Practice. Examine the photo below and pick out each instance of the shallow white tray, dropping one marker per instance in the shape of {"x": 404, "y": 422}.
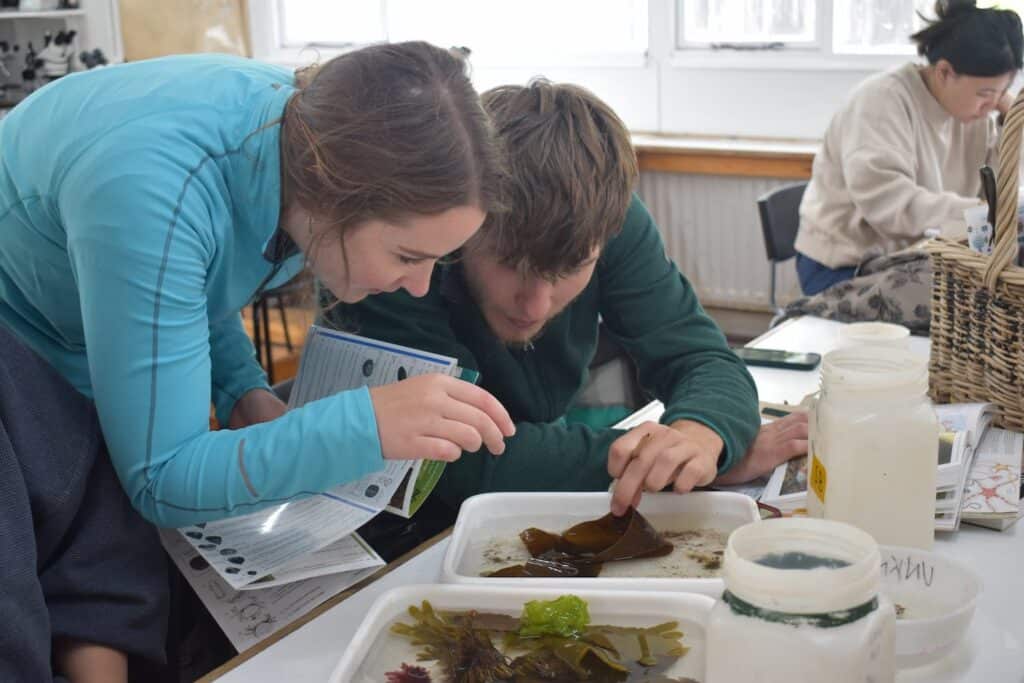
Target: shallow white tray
{"x": 490, "y": 516}
{"x": 375, "y": 651}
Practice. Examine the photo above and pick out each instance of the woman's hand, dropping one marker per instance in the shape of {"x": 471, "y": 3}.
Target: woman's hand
{"x": 436, "y": 417}
{"x": 652, "y": 456}
{"x": 255, "y": 406}
{"x": 1004, "y": 104}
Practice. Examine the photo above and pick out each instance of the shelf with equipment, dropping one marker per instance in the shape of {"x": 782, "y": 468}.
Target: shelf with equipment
{"x": 41, "y": 14}
{"x": 62, "y": 40}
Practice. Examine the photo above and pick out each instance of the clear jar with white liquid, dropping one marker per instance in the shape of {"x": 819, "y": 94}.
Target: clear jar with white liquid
{"x": 801, "y": 605}
{"x": 873, "y": 447}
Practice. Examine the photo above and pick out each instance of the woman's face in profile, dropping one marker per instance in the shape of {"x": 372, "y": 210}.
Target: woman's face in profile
{"x": 969, "y": 98}
{"x": 384, "y": 255}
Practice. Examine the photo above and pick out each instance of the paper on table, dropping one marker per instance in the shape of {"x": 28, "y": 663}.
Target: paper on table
{"x": 247, "y": 548}
{"x": 346, "y": 555}
{"x": 993, "y": 484}
{"x": 250, "y": 616}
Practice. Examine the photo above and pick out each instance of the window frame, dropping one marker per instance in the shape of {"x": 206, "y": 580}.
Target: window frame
{"x": 820, "y": 55}
{"x": 267, "y": 42}
{"x": 681, "y": 43}
{"x": 669, "y": 90}
{"x": 268, "y": 45}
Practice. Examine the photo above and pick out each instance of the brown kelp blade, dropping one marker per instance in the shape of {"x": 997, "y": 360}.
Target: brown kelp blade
{"x": 612, "y": 538}
{"x": 584, "y": 548}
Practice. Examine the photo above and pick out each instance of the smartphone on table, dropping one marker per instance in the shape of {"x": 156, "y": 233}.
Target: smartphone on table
{"x": 777, "y": 358}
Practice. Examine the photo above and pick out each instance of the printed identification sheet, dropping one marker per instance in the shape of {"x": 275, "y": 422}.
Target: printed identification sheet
{"x": 248, "y": 548}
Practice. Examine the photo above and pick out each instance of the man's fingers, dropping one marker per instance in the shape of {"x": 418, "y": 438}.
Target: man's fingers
{"x": 693, "y": 474}
{"x": 622, "y": 497}
{"x": 627, "y": 447}
{"x": 794, "y": 448}
{"x": 665, "y": 469}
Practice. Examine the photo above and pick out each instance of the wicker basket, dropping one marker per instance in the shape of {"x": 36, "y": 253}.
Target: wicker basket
{"x": 977, "y": 327}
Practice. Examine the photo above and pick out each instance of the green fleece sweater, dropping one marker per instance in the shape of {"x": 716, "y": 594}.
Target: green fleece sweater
{"x": 648, "y": 306}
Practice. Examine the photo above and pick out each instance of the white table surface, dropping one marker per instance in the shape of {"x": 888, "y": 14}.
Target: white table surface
{"x": 992, "y": 652}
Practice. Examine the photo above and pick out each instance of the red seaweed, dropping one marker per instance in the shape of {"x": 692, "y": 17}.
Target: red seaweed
{"x": 409, "y": 673}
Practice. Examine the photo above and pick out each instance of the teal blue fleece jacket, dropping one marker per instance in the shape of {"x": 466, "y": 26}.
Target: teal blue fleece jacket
{"x": 139, "y": 207}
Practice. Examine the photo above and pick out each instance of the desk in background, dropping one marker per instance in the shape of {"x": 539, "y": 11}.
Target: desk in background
{"x": 992, "y": 652}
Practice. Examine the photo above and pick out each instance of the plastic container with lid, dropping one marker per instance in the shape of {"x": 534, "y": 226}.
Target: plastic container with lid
{"x": 873, "y": 445}
{"x": 801, "y": 605}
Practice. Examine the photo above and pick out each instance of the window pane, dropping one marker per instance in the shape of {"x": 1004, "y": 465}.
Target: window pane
{"x": 877, "y": 26}
{"x": 330, "y": 22}
{"x": 492, "y": 30}
{"x": 501, "y": 30}
{"x": 747, "y": 21}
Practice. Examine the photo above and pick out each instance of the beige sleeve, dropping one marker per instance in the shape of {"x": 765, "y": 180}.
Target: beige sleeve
{"x": 878, "y": 159}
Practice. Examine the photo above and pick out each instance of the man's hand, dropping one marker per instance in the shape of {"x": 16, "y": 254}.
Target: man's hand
{"x": 652, "y": 456}
{"x": 255, "y": 406}
{"x": 776, "y": 443}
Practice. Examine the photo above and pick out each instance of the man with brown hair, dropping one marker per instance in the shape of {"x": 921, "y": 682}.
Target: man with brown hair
{"x": 522, "y": 300}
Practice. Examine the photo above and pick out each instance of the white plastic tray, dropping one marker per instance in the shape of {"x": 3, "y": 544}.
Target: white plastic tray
{"x": 375, "y": 651}
{"x": 489, "y": 516}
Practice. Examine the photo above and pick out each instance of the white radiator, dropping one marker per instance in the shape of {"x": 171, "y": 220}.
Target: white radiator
{"x": 712, "y": 231}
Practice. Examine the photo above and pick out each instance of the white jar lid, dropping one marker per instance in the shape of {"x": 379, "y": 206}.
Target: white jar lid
{"x": 819, "y": 590}
{"x": 873, "y": 369}
{"x": 874, "y": 333}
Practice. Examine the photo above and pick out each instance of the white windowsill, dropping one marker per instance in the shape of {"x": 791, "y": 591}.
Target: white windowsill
{"x": 654, "y": 142}
{"x": 782, "y": 60}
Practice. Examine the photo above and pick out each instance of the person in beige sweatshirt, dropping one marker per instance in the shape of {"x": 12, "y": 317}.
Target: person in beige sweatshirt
{"x": 902, "y": 155}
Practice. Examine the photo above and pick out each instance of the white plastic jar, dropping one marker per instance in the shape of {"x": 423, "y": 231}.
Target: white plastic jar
{"x": 873, "y": 448}
{"x": 801, "y": 605}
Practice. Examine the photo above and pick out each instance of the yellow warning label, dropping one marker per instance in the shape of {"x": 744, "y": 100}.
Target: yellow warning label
{"x": 818, "y": 478}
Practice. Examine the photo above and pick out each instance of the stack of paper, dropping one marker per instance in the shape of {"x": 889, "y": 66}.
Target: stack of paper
{"x": 992, "y": 494}
{"x": 962, "y": 426}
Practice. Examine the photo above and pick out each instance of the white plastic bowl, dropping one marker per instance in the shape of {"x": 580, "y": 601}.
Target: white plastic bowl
{"x": 491, "y": 515}
{"x": 373, "y": 650}
{"x": 937, "y": 596}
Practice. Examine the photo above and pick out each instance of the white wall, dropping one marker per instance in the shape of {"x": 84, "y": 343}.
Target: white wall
{"x": 752, "y": 102}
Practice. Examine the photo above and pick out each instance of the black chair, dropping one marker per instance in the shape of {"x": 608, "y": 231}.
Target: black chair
{"x": 780, "y": 219}
{"x": 292, "y": 292}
